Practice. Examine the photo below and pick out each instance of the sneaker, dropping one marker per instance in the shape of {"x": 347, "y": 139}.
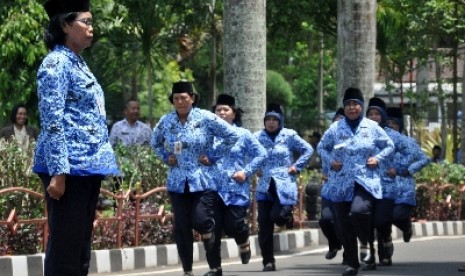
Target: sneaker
{"x": 188, "y": 273}
{"x": 461, "y": 268}
{"x": 269, "y": 267}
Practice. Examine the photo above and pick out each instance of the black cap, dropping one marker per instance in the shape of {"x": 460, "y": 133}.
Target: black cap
{"x": 354, "y": 94}
{"x": 54, "y": 7}
{"x": 224, "y": 99}
{"x": 276, "y": 108}
{"x": 377, "y": 102}
{"x": 182, "y": 87}
{"x": 394, "y": 112}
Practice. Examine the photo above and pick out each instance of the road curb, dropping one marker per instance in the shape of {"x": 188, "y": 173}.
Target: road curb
{"x": 114, "y": 260}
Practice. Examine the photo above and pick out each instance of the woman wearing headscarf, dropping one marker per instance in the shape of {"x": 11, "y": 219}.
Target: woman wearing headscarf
{"x": 383, "y": 208}
{"x": 353, "y": 147}
{"x": 405, "y": 199}
{"x": 72, "y": 154}
{"x": 180, "y": 139}
{"x": 237, "y": 168}
{"x": 277, "y": 187}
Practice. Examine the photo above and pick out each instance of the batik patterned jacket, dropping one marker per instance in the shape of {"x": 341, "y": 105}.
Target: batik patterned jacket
{"x": 389, "y": 184}
{"x": 246, "y": 155}
{"x": 188, "y": 142}
{"x": 280, "y": 159}
{"x": 74, "y": 134}
{"x": 407, "y": 190}
{"x": 339, "y": 143}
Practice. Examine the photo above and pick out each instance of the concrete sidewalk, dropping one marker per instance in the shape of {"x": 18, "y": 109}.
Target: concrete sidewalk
{"x": 152, "y": 256}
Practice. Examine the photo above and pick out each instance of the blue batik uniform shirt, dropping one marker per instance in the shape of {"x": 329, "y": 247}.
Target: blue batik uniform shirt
{"x": 247, "y": 155}
{"x": 280, "y": 158}
{"x": 352, "y": 149}
{"x": 407, "y": 190}
{"x": 74, "y": 135}
{"x": 188, "y": 142}
{"x": 390, "y": 185}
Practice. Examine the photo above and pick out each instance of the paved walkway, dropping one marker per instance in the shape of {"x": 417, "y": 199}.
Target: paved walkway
{"x": 152, "y": 256}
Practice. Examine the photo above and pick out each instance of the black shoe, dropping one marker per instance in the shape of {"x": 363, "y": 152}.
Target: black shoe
{"x": 209, "y": 243}
{"x": 269, "y": 267}
{"x": 218, "y": 272}
{"x": 461, "y": 268}
{"x": 385, "y": 262}
{"x": 245, "y": 256}
{"x": 407, "y": 235}
{"x": 388, "y": 250}
{"x": 369, "y": 266}
{"x": 188, "y": 274}
{"x": 350, "y": 271}
{"x": 331, "y": 254}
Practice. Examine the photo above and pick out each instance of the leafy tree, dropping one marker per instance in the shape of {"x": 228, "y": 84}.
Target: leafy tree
{"x": 21, "y": 51}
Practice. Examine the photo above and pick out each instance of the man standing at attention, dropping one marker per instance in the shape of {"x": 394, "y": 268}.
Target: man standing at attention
{"x": 130, "y": 131}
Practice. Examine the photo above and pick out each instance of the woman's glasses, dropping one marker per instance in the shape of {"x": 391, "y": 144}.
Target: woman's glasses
{"x": 87, "y": 21}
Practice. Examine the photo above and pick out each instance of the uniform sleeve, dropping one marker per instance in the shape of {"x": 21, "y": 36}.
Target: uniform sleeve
{"x": 384, "y": 143}
{"x": 113, "y": 137}
{"x": 52, "y": 84}
{"x": 303, "y": 148}
{"x": 420, "y": 160}
{"x": 220, "y": 128}
{"x": 256, "y": 153}
{"x": 158, "y": 141}
{"x": 325, "y": 147}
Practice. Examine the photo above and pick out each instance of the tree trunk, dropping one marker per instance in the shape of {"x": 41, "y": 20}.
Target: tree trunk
{"x": 356, "y": 46}
{"x": 244, "y": 57}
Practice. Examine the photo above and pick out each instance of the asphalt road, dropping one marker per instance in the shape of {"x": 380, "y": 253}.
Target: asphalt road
{"x": 428, "y": 256}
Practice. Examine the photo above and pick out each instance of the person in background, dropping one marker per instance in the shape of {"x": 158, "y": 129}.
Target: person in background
{"x": 436, "y": 154}
{"x": 130, "y": 131}
{"x": 237, "y": 169}
{"x": 182, "y": 139}
{"x": 315, "y": 160}
{"x": 339, "y": 114}
{"x": 405, "y": 200}
{"x": 353, "y": 148}
{"x": 72, "y": 154}
{"x": 383, "y": 208}
{"x": 277, "y": 188}
{"x": 19, "y": 130}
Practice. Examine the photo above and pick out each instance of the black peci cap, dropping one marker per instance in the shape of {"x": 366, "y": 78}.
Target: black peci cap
{"x": 54, "y": 7}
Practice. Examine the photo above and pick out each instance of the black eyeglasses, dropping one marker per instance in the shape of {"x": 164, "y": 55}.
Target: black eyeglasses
{"x": 87, "y": 21}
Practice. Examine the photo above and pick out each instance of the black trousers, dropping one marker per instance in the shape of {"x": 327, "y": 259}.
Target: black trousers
{"x": 269, "y": 213}
{"x": 355, "y": 220}
{"x": 70, "y": 222}
{"x": 328, "y": 225}
{"x": 401, "y": 216}
{"x": 383, "y": 218}
{"x": 192, "y": 211}
{"x": 232, "y": 220}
